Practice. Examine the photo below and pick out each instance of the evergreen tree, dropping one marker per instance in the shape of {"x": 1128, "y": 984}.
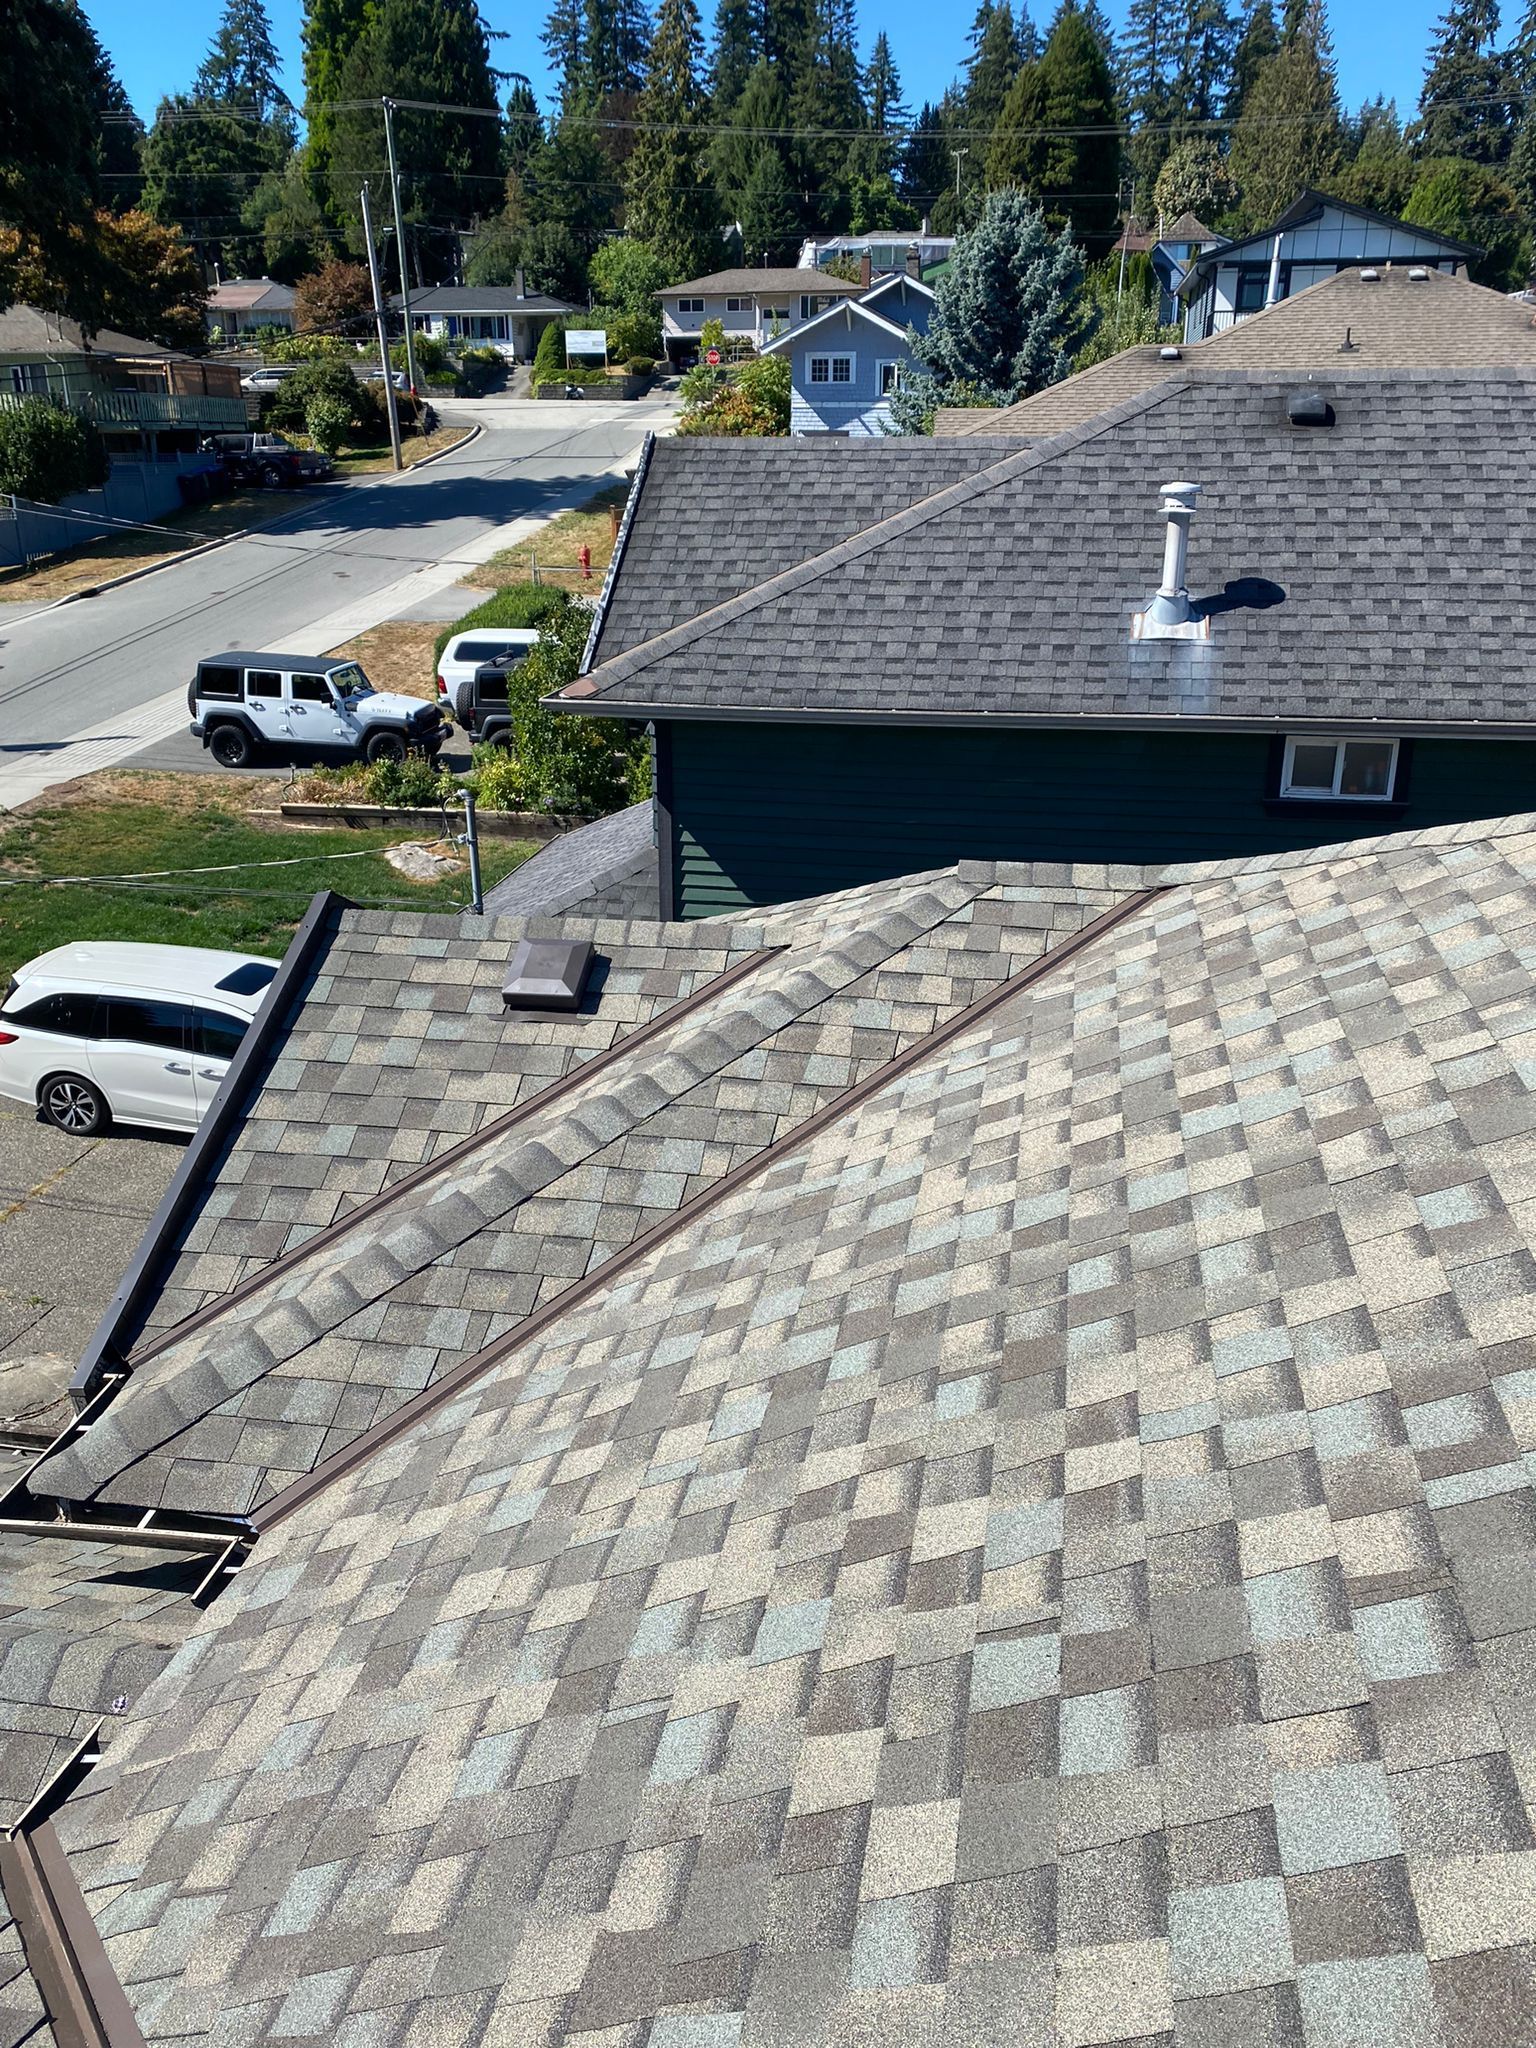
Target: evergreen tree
{"x": 1463, "y": 109}
{"x": 875, "y": 201}
{"x": 1520, "y": 58}
{"x": 760, "y": 114}
{"x": 926, "y": 170}
{"x": 618, "y": 35}
{"x": 331, "y": 27}
{"x": 1381, "y": 170}
{"x": 571, "y": 197}
{"x": 738, "y": 44}
{"x": 990, "y": 74}
{"x": 882, "y": 89}
{"x": 786, "y": 31}
{"x": 1148, "y": 56}
{"x": 1522, "y": 164}
{"x": 435, "y": 51}
{"x": 240, "y": 69}
{"x": 201, "y": 167}
{"x": 1290, "y": 136}
{"x": 825, "y": 106}
{"x": 1258, "y": 42}
{"x": 523, "y": 135}
{"x": 49, "y": 167}
{"x": 1474, "y": 204}
{"x": 1075, "y": 176}
{"x": 121, "y": 136}
{"x": 672, "y": 206}
{"x": 1003, "y": 317}
{"x": 565, "y": 45}
{"x": 1203, "y": 74}
{"x": 769, "y": 211}
{"x": 286, "y": 233}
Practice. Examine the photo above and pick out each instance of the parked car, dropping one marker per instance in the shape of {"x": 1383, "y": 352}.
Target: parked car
{"x": 95, "y": 1034}
{"x": 245, "y": 704}
{"x": 269, "y": 460}
{"x": 482, "y": 708}
{"x": 268, "y": 378}
{"x": 396, "y": 377}
{"x": 467, "y": 652}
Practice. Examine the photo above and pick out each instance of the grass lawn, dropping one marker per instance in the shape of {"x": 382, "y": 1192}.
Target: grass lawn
{"x": 251, "y": 911}
{"x": 554, "y": 548}
{"x": 97, "y": 561}
{"x": 414, "y": 448}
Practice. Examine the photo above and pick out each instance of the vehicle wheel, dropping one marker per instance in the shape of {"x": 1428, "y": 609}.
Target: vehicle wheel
{"x": 231, "y": 746}
{"x": 73, "y": 1105}
{"x": 272, "y": 477}
{"x": 386, "y": 746}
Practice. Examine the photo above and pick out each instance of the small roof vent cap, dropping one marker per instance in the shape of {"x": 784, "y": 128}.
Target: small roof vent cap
{"x": 1370, "y": 277}
{"x": 1418, "y": 274}
{"x": 1308, "y": 408}
{"x": 1170, "y": 355}
{"x": 547, "y": 974}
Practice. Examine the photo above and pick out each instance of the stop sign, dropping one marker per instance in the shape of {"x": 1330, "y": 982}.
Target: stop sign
{"x": 712, "y": 357}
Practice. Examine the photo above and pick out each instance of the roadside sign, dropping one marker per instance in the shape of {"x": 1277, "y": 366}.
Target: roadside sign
{"x": 712, "y": 357}
{"x": 585, "y": 341}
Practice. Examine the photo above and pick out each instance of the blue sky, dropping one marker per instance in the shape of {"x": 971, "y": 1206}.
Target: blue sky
{"x": 157, "y": 48}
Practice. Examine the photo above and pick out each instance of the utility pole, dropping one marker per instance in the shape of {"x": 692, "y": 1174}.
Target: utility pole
{"x": 405, "y": 282}
{"x": 378, "y": 314}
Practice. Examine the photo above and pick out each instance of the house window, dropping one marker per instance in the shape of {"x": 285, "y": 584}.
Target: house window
{"x": 774, "y": 318}
{"x": 736, "y": 306}
{"x": 1252, "y": 288}
{"x": 831, "y": 369}
{"x": 890, "y": 378}
{"x": 1354, "y": 771}
{"x": 812, "y": 303}
{"x": 690, "y": 305}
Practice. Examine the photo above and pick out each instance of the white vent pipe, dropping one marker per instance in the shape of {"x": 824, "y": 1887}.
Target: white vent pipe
{"x": 1170, "y": 607}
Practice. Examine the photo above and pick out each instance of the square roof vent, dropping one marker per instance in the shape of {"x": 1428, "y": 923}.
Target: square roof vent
{"x": 547, "y": 974}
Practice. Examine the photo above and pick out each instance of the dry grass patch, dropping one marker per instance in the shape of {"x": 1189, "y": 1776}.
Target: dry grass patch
{"x": 397, "y": 656}
{"x": 98, "y": 561}
{"x": 414, "y": 448}
{"x": 554, "y": 547}
{"x": 175, "y": 794}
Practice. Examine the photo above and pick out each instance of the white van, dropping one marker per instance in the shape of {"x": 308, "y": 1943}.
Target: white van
{"x": 466, "y": 652}
{"x": 94, "y": 1034}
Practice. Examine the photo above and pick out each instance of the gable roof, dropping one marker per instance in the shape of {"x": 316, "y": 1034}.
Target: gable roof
{"x": 708, "y": 519}
{"x": 1399, "y": 322}
{"x": 1188, "y": 228}
{"x": 1305, "y": 207}
{"x": 250, "y": 295}
{"x": 481, "y": 298}
{"x": 847, "y": 312}
{"x": 896, "y": 280}
{"x": 1051, "y": 1552}
{"x": 27, "y": 331}
{"x": 606, "y": 869}
{"x": 765, "y": 283}
{"x": 1339, "y": 520}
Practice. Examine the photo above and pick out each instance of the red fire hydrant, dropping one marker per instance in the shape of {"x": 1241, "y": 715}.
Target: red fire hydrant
{"x": 584, "y": 556}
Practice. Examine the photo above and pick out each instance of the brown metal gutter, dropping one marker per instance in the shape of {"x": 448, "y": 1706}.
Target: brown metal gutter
{"x": 388, "y": 1431}
{"x": 86, "y": 2004}
{"x": 442, "y": 1162}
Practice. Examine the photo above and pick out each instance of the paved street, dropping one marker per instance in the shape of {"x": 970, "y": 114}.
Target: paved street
{"x": 91, "y": 684}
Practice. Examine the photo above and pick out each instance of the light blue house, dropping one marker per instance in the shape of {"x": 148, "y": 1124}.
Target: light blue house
{"x": 845, "y": 364}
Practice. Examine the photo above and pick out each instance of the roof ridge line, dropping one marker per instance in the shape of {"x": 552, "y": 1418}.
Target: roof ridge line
{"x": 428, "y": 1169}
{"x": 274, "y": 1512}
{"x": 582, "y": 693}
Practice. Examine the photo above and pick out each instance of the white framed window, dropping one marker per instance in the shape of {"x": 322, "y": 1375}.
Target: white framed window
{"x": 890, "y": 378}
{"x": 812, "y": 303}
{"x": 774, "y": 317}
{"x": 831, "y": 369}
{"x": 690, "y": 305}
{"x": 736, "y": 306}
{"x": 1360, "y": 771}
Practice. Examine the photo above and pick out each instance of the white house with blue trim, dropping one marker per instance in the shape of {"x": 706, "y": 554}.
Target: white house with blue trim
{"x": 846, "y": 363}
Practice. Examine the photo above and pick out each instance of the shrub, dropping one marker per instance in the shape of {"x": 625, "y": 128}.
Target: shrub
{"x": 519, "y": 604}
{"x": 640, "y": 366}
{"x": 413, "y": 784}
{"x": 310, "y": 348}
{"x": 629, "y": 334}
{"x": 582, "y": 373}
{"x": 753, "y": 400}
{"x": 289, "y": 406}
{"x": 47, "y": 453}
{"x": 433, "y": 357}
{"x": 500, "y": 783}
{"x": 549, "y": 356}
{"x": 586, "y": 766}
{"x": 326, "y": 421}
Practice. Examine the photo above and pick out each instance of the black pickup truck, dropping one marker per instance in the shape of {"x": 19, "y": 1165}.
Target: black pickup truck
{"x": 268, "y": 461}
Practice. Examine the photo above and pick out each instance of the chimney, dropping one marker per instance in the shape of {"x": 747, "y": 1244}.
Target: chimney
{"x": 1168, "y": 615}
{"x": 866, "y": 271}
{"x": 915, "y": 262}
{"x": 520, "y": 291}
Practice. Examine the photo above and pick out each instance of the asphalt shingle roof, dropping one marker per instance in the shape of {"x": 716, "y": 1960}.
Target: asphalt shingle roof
{"x": 1049, "y": 1560}
{"x": 1373, "y": 569}
{"x": 768, "y": 283}
{"x": 607, "y": 869}
{"x": 714, "y": 517}
{"x": 1399, "y": 322}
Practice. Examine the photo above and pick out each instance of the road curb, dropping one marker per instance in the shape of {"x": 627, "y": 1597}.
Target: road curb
{"x": 224, "y": 540}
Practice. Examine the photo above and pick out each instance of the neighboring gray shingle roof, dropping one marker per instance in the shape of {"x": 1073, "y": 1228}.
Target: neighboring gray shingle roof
{"x": 766, "y": 283}
{"x": 1397, "y": 323}
{"x": 711, "y": 518}
{"x": 24, "y": 331}
{"x": 605, "y": 869}
{"x": 1050, "y": 1561}
{"x": 1399, "y": 539}
{"x": 481, "y": 298}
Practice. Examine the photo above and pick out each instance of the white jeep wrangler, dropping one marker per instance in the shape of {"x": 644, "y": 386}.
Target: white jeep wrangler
{"x": 246, "y": 704}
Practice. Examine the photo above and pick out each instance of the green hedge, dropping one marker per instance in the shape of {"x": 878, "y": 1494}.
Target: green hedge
{"x": 519, "y": 604}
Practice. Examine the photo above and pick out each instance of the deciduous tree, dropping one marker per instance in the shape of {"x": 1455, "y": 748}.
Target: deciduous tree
{"x": 335, "y": 299}
{"x": 153, "y": 284}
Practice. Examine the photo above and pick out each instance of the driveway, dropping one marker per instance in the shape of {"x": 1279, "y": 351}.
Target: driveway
{"x": 72, "y": 1210}
{"x": 90, "y": 684}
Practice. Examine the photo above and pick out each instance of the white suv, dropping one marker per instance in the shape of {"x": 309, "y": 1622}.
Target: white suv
{"x": 466, "y": 652}
{"x": 99, "y": 1034}
{"x": 244, "y": 704}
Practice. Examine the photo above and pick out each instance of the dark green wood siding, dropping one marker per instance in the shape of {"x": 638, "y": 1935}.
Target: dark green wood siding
{"x": 764, "y": 813}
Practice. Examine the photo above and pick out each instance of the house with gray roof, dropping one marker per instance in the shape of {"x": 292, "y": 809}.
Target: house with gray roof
{"x": 752, "y": 306}
{"x": 947, "y": 1464}
{"x": 855, "y": 656}
{"x": 508, "y": 318}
